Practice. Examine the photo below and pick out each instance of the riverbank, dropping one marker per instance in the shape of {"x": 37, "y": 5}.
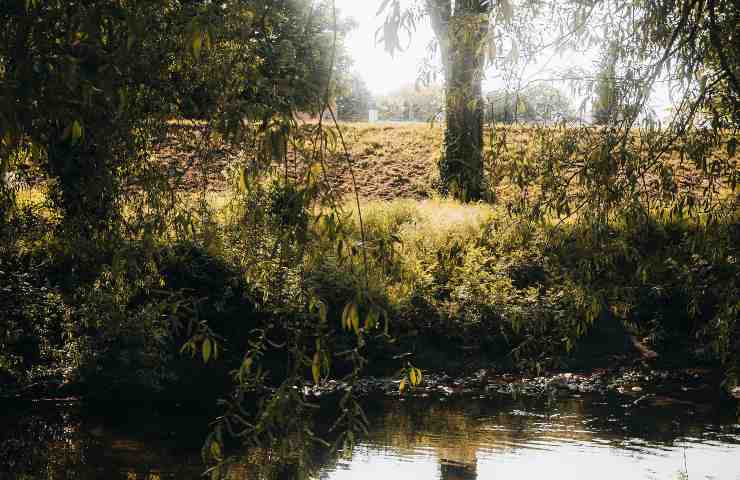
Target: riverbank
{"x": 448, "y": 287}
{"x": 636, "y": 383}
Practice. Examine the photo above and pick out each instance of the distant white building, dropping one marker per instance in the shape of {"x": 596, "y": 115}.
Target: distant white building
{"x": 372, "y": 115}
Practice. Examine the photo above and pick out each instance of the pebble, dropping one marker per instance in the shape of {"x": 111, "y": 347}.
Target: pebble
{"x": 624, "y": 381}
{"x": 446, "y": 390}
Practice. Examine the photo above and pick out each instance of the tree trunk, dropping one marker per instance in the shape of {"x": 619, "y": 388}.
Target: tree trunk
{"x": 453, "y": 470}
{"x": 461, "y": 167}
{"x": 85, "y": 188}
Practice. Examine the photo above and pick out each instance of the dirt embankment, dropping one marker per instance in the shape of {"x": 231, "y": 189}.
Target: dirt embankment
{"x": 388, "y": 160}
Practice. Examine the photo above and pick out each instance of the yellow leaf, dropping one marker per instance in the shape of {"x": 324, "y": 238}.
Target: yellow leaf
{"x": 402, "y": 385}
{"x": 415, "y": 376}
{"x": 350, "y": 316}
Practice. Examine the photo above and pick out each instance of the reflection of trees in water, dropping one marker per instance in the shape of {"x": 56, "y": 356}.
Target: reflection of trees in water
{"x": 265, "y": 464}
{"x": 457, "y": 429}
{"x": 53, "y": 444}
{"x": 452, "y": 470}
{"x": 64, "y": 443}
{"x": 41, "y": 445}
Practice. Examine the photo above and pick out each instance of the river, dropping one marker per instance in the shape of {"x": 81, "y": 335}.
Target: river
{"x": 458, "y": 438}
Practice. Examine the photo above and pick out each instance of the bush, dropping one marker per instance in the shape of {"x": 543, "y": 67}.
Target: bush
{"x": 32, "y": 327}
{"x": 531, "y": 292}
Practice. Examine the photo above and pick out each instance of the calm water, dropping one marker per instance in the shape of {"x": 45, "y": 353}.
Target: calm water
{"x": 464, "y": 438}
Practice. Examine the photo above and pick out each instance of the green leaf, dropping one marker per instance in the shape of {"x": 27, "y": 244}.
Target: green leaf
{"x": 207, "y": 349}
{"x": 196, "y": 43}
{"x": 73, "y": 132}
{"x": 186, "y": 346}
{"x": 216, "y": 450}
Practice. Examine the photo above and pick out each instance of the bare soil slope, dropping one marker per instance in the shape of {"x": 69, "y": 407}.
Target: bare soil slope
{"x": 389, "y": 161}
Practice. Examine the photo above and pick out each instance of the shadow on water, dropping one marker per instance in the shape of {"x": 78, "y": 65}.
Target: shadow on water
{"x": 61, "y": 441}
{"x": 430, "y": 438}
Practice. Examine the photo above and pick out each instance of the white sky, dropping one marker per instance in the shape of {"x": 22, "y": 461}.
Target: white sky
{"x": 383, "y": 73}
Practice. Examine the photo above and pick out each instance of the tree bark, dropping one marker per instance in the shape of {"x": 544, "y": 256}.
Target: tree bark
{"x": 460, "y": 35}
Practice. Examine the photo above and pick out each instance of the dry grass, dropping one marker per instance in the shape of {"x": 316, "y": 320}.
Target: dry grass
{"x": 389, "y": 160}
{"x": 435, "y": 217}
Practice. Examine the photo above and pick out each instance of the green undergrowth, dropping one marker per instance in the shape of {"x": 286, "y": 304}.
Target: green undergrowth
{"x": 469, "y": 281}
{"x": 458, "y": 286}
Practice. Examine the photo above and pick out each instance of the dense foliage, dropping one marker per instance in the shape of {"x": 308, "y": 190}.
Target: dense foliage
{"x": 412, "y": 103}
{"x": 538, "y": 103}
{"x": 355, "y": 102}
{"x": 127, "y": 274}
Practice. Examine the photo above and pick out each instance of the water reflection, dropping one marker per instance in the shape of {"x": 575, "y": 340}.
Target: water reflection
{"x": 58, "y": 441}
{"x": 568, "y": 439}
{"x": 461, "y": 439}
